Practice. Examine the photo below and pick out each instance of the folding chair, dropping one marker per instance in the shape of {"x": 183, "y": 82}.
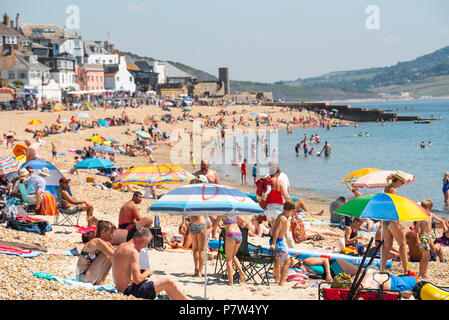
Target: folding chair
{"x": 255, "y": 263}
{"x": 65, "y": 217}
{"x": 26, "y": 202}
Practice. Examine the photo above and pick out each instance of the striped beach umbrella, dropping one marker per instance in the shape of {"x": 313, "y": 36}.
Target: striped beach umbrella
{"x": 353, "y": 176}
{"x": 154, "y": 174}
{"x": 378, "y": 179}
{"x": 34, "y": 122}
{"x": 206, "y": 199}
{"x": 8, "y": 164}
{"x": 105, "y": 149}
{"x": 142, "y": 134}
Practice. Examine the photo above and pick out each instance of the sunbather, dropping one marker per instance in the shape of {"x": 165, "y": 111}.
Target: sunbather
{"x": 74, "y": 205}
{"x": 95, "y": 259}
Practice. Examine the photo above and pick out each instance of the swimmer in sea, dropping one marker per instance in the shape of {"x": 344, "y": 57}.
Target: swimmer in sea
{"x": 423, "y": 144}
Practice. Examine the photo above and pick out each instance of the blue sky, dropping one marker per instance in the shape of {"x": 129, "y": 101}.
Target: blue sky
{"x": 258, "y": 40}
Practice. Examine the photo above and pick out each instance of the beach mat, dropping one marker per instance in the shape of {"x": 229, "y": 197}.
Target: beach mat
{"x": 108, "y": 287}
{"x": 20, "y": 253}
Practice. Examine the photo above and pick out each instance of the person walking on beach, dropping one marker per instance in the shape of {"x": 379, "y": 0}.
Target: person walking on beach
{"x": 277, "y": 243}
{"x": 131, "y": 280}
{"x": 255, "y": 172}
{"x": 243, "y": 171}
{"x": 393, "y": 230}
{"x": 53, "y": 151}
{"x": 446, "y": 189}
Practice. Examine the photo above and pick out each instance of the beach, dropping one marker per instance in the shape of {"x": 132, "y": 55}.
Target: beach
{"x": 16, "y": 273}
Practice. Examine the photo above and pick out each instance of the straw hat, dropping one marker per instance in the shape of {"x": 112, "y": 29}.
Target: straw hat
{"x": 401, "y": 176}
{"x": 44, "y": 172}
{"x": 23, "y": 172}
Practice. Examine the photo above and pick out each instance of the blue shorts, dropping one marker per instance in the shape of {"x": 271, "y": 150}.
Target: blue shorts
{"x": 402, "y": 283}
{"x": 281, "y": 250}
{"x": 144, "y": 290}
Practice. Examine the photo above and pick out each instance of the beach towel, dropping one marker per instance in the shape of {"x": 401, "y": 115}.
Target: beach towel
{"x": 70, "y": 281}
{"x": 298, "y": 230}
{"x": 49, "y": 207}
{"x": 23, "y": 246}
{"x": 20, "y": 253}
{"x": 83, "y": 230}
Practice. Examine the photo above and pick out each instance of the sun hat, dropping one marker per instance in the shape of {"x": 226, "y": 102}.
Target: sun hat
{"x": 274, "y": 168}
{"x": 401, "y": 176}
{"x": 23, "y": 172}
{"x": 44, "y": 172}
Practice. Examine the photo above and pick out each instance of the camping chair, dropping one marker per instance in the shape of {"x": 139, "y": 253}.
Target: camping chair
{"x": 65, "y": 217}
{"x": 26, "y": 202}
{"x": 256, "y": 263}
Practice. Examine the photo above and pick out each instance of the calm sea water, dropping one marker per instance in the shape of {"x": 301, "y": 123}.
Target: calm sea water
{"x": 395, "y": 146}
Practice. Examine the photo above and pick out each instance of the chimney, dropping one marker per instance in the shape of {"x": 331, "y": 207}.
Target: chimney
{"x": 5, "y": 19}
{"x": 18, "y": 22}
{"x": 12, "y": 24}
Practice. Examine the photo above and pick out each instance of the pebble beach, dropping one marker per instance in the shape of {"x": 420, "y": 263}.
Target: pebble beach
{"x": 16, "y": 273}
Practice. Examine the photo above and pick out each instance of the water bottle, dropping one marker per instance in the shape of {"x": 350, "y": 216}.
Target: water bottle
{"x": 157, "y": 222}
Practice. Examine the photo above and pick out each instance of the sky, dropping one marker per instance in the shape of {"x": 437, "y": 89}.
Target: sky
{"x": 258, "y": 40}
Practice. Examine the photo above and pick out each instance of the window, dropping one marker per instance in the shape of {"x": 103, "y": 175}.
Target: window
{"x": 11, "y": 75}
{"x": 130, "y": 79}
{"x": 22, "y": 75}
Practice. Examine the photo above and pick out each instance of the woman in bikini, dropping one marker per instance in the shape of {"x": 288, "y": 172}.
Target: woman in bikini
{"x": 446, "y": 189}
{"x": 233, "y": 241}
{"x": 95, "y": 259}
{"x": 393, "y": 230}
{"x": 197, "y": 229}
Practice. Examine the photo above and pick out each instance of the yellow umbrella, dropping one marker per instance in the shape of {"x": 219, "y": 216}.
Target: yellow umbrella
{"x": 353, "y": 176}
{"x": 96, "y": 139}
{"x": 34, "y": 122}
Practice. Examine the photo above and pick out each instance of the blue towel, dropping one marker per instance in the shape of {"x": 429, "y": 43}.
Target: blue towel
{"x": 108, "y": 287}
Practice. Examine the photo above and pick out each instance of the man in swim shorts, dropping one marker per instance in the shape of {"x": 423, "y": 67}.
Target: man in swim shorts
{"x": 131, "y": 280}
{"x": 129, "y": 217}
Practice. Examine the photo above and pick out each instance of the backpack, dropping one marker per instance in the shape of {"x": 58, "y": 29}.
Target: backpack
{"x": 158, "y": 240}
{"x": 261, "y": 190}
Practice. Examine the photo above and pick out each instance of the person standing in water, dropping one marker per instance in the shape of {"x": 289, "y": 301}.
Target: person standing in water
{"x": 327, "y": 149}
{"x": 446, "y": 189}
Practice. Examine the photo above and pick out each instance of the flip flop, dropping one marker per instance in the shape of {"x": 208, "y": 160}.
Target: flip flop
{"x": 300, "y": 285}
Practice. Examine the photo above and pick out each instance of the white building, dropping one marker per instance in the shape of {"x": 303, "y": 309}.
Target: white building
{"x": 73, "y": 47}
{"x": 62, "y": 70}
{"x": 97, "y": 52}
{"x": 117, "y": 77}
{"x": 34, "y": 77}
{"x": 168, "y": 73}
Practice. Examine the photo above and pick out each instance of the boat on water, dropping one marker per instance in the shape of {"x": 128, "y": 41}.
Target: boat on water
{"x": 422, "y": 121}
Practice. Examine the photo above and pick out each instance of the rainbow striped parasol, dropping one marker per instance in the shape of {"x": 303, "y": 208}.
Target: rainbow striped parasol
{"x": 8, "y": 164}
{"x": 384, "y": 206}
{"x": 154, "y": 174}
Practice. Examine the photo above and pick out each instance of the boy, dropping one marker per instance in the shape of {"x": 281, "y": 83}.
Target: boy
{"x": 255, "y": 173}
{"x": 426, "y": 245}
{"x": 244, "y": 172}
{"x": 277, "y": 243}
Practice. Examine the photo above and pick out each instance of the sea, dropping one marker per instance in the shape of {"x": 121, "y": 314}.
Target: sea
{"x": 392, "y": 146}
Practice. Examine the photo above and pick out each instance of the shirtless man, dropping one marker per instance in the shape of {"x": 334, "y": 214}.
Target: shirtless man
{"x": 326, "y": 149}
{"x": 74, "y": 205}
{"x": 130, "y": 279}
{"x": 130, "y": 218}
{"x": 211, "y": 175}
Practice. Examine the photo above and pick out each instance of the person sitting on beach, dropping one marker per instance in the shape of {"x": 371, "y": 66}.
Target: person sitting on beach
{"x": 129, "y": 217}
{"x": 393, "y": 230}
{"x": 70, "y": 204}
{"x": 131, "y": 280}
{"x": 183, "y": 230}
{"x": 369, "y": 225}
{"x": 277, "y": 243}
{"x": 36, "y": 185}
{"x": 256, "y": 227}
{"x": 95, "y": 259}
{"x": 324, "y": 268}
{"x": 352, "y": 237}
{"x": 335, "y": 217}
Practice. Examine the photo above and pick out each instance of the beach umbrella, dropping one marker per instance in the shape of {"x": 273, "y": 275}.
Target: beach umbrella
{"x": 8, "y": 164}
{"x": 206, "y": 199}
{"x": 34, "y": 122}
{"x": 378, "y": 179}
{"x": 142, "y": 134}
{"x": 264, "y": 115}
{"x": 105, "y": 149}
{"x": 103, "y": 123}
{"x": 113, "y": 140}
{"x": 83, "y": 115}
{"x": 94, "y": 163}
{"x": 19, "y": 149}
{"x": 97, "y": 139}
{"x": 154, "y": 174}
{"x": 335, "y": 110}
{"x": 354, "y": 176}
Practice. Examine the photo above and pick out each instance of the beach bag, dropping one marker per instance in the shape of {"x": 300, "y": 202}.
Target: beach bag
{"x": 342, "y": 281}
{"x": 158, "y": 240}
{"x": 261, "y": 191}
{"x": 298, "y": 229}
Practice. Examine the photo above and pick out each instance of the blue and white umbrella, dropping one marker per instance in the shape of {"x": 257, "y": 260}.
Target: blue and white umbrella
{"x": 143, "y": 134}
{"x": 105, "y": 149}
{"x": 207, "y": 199}
{"x": 83, "y": 115}
{"x": 113, "y": 140}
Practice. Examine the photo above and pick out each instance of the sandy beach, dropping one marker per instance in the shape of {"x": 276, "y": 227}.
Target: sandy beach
{"x": 16, "y": 274}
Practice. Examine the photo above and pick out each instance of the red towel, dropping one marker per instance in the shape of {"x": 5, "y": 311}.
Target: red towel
{"x": 84, "y": 229}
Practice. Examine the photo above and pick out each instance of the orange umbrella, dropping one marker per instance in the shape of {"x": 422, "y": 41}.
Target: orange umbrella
{"x": 34, "y": 122}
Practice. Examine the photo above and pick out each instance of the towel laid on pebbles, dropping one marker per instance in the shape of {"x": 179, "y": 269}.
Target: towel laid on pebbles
{"x": 108, "y": 287}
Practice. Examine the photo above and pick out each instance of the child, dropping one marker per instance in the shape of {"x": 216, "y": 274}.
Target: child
{"x": 426, "y": 245}
{"x": 277, "y": 243}
{"x": 192, "y": 159}
{"x": 53, "y": 151}
{"x": 74, "y": 170}
{"x": 255, "y": 173}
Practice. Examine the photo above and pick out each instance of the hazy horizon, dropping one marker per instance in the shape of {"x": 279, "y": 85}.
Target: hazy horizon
{"x": 260, "y": 41}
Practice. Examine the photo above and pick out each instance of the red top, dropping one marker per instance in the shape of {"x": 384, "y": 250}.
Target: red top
{"x": 275, "y": 197}
{"x": 244, "y": 168}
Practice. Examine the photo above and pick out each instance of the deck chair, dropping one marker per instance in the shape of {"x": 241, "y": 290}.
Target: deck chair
{"x": 65, "y": 217}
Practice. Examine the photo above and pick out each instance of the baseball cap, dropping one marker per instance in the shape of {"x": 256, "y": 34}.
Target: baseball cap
{"x": 64, "y": 180}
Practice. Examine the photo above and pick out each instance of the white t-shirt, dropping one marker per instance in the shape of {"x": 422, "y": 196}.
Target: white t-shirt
{"x": 284, "y": 178}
